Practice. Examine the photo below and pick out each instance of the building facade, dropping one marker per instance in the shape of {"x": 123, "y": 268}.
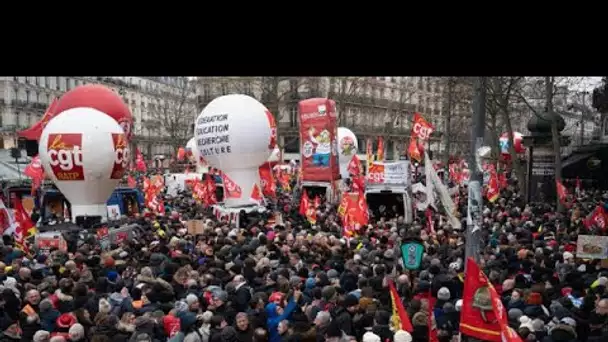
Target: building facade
{"x": 369, "y": 106}
{"x": 152, "y": 101}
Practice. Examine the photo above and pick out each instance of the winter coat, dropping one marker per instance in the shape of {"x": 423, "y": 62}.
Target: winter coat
{"x": 120, "y": 304}
{"x": 274, "y": 319}
{"x": 384, "y": 331}
{"x": 48, "y": 319}
{"x": 561, "y": 333}
{"x": 64, "y": 302}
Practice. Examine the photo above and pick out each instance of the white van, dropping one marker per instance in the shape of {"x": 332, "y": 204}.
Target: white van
{"x": 391, "y": 197}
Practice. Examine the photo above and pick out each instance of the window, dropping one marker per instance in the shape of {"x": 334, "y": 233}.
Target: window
{"x": 27, "y": 79}
{"x": 332, "y": 85}
{"x": 419, "y": 83}
{"x": 293, "y": 116}
{"x": 37, "y": 97}
{"x": 16, "y": 78}
{"x": 58, "y": 83}
{"x": 224, "y": 88}
{"x": 38, "y": 80}
{"x": 428, "y": 84}
{"x": 373, "y": 92}
{"x": 27, "y": 96}
{"x": 206, "y": 90}
{"x": 16, "y": 94}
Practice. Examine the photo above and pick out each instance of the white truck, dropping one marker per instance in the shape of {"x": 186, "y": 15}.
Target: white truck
{"x": 387, "y": 190}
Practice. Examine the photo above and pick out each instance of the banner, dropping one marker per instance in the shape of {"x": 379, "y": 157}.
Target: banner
{"x": 393, "y": 173}
{"x": 50, "y": 240}
{"x": 318, "y": 135}
{"x": 592, "y": 247}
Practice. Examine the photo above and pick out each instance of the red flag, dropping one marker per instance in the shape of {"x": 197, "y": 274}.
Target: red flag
{"x": 304, "y": 204}
{"x": 210, "y": 196}
{"x": 400, "y": 320}
{"x": 354, "y": 166}
{"x": 140, "y": 164}
{"x": 413, "y": 149}
{"x": 35, "y": 171}
{"x": 24, "y": 226}
{"x": 256, "y": 194}
{"x": 131, "y": 182}
{"x": 477, "y": 319}
{"x": 269, "y": 186}
{"x": 493, "y": 191}
{"x": 562, "y": 192}
{"x": 380, "y": 153}
{"x": 181, "y": 153}
{"x": 231, "y": 189}
{"x": 597, "y": 217}
{"x": 421, "y": 129}
{"x": 358, "y": 183}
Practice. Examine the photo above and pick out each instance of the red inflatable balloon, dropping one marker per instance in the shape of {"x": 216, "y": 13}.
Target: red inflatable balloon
{"x": 101, "y": 98}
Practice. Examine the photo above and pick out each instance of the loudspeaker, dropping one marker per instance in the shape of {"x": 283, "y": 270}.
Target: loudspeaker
{"x": 31, "y": 147}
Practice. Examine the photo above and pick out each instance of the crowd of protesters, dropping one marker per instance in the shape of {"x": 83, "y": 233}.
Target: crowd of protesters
{"x": 301, "y": 282}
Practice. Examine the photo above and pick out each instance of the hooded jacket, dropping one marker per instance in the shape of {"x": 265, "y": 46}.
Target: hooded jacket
{"x": 274, "y": 319}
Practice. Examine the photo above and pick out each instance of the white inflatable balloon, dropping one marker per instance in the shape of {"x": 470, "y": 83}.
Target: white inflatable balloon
{"x": 347, "y": 148}
{"x": 233, "y": 133}
{"x": 85, "y": 153}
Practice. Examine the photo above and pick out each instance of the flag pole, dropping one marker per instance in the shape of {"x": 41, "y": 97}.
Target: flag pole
{"x": 475, "y": 200}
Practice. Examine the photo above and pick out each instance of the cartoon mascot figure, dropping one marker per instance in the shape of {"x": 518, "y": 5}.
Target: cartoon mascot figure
{"x": 323, "y": 147}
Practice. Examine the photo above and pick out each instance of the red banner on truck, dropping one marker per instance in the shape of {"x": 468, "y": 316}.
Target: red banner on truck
{"x": 318, "y": 135}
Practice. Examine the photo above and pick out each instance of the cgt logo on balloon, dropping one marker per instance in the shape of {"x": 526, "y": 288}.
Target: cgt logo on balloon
{"x": 65, "y": 153}
{"x": 122, "y": 155}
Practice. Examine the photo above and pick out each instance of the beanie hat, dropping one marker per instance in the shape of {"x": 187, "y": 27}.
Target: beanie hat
{"x": 402, "y": 336}
{"x": 515, "y": 314}
{"x": 104, "y": 306}
{"x": 443, "y": 294}
{"x": 350, "y": 300}
{"x": 41, "y": 336}
{"x": 109, "y": 262}
{"x": 45, "y": 305}
{"x": 526, "y": 322}
{"x": 112, "y": 276}
{"x": 370, "y": 337}
{"x": 76, "y": 332}
{"x": 65, "y": 321}
{"x": 458, "y": 305}
{"x": 538, "y": 325}
{"x": 180, "y": 306}
{"x": 534, "y": 298}
{"x": 191, "y": 299}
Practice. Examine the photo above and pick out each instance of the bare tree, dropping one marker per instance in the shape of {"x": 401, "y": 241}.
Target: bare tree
{"x": 173, "y": 111}
{"x": 546, "y": 89}
{"x": 501, "y": 98}
{"x": 345, "y": 91}
{"x": 458, "y": 92}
